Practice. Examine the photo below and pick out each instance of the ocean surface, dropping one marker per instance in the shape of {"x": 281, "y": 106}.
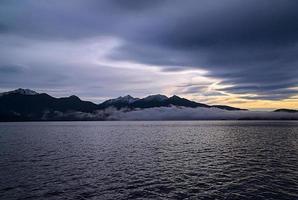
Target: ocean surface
{"x": 149, "y": 160}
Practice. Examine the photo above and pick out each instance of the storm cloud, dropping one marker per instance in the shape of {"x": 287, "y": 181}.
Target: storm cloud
{"x": 250, "y": 46}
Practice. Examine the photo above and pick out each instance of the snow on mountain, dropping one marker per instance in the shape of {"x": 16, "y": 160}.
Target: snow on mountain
{"x": 126, "y": 99}
{"x": 20, "y": 91}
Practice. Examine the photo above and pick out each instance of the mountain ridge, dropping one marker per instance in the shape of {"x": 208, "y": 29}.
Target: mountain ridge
{"x": 28, "y": 105}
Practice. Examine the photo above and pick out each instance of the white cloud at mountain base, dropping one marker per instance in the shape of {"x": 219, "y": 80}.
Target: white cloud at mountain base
{"x": 174, "y": 113}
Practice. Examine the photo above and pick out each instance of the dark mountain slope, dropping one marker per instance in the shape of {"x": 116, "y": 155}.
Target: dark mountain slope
{"x": 286, "y": 110}
{"x": 32, "y": 107}
{"x": 178, "y": 101}
{"x": 227, "y": 107}
{"x": 150, "y": 102}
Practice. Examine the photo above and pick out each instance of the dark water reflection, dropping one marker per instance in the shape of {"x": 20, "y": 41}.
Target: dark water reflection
{"x": 149, "y": 160}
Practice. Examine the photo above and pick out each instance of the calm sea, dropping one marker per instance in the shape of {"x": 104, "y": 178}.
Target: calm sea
{"x": 149, "y": 160}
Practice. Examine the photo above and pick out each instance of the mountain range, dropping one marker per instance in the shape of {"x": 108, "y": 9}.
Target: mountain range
{"x": 28, "y": 105}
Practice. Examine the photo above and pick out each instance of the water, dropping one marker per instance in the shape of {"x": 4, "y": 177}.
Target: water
{"x": 149, "y": 160}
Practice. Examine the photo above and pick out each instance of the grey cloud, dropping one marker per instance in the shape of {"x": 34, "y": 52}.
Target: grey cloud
{"x": 250, "y": 44}
{"x": 11, "y": 69}
{"x": 200, "y": 90}
{"x": 136, "y": 5}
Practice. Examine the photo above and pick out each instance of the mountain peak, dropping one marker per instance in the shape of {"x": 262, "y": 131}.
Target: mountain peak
{"x": 175, "y": 97}
{"x": 128, "y": 98}
{"x": 125, "y": 99}
{"x": 74, "y": 97}
{"x": 20, "y": 91}
{"x": 156, "y": 97}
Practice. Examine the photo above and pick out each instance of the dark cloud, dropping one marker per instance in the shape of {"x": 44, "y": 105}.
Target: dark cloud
{"x": 136, "y": 5}
{"x": 11, "y": 69}
{"x": 251, "y": 45}
{"x": 3, "y": 28}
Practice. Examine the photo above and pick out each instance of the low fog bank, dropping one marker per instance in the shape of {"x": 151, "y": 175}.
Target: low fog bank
{"x": 182, "y": 113}
{"x": 171, "y": 113}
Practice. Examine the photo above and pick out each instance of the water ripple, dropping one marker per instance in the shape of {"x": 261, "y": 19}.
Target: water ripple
{"x": 149, "y": 160}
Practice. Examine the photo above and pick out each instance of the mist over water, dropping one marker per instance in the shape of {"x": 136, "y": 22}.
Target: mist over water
{"x": 171, "y": 113}
{"x": 149, "y": 160}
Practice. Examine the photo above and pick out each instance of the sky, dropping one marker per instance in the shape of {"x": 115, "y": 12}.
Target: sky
{"x": 232, "y": 52}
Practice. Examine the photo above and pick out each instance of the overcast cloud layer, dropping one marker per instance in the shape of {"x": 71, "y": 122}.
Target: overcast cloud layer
{"x": 250, "y": 47}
